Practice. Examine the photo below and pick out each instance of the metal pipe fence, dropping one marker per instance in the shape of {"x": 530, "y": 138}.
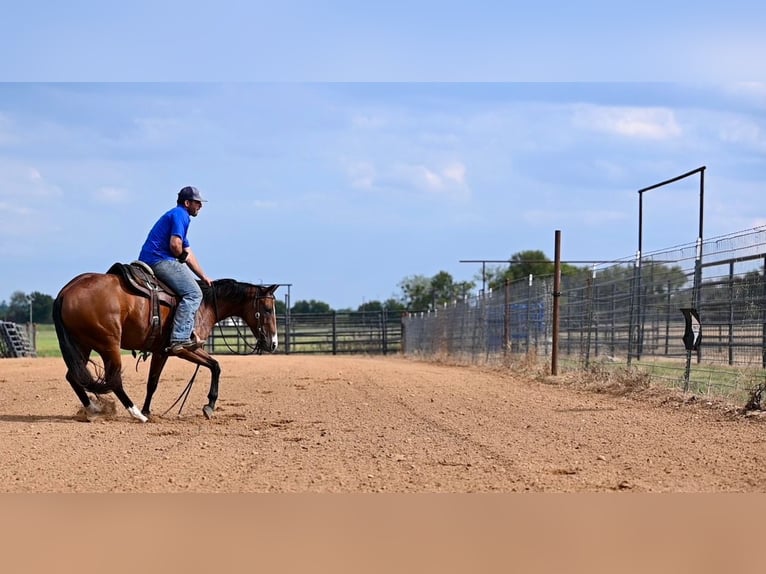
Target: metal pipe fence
{"x": 628, "y": 313}
{"x": 336, "y": 333}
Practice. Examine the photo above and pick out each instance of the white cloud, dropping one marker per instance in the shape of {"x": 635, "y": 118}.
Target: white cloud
{"x": 34, "y": 175}
{"x": 111, "y": 195}
{"x": 455, "y": 173}
{"x": 741, "y": 131}
{"x": 645, "y": 123}
{"x": 754, "y": 92}
{"x": 447, "y": 181}
{"x": 25, "y": 181}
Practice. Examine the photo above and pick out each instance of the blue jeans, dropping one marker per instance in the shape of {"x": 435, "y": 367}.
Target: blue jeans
{"x": 180, "y": 278}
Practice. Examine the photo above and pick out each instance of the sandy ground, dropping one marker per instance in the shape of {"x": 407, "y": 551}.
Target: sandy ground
{"x": 366, "y": 424}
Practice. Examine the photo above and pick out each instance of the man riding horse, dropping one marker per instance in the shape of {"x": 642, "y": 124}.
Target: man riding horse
{"x": 113, "y": 311}
{"x": 167, "y": 251}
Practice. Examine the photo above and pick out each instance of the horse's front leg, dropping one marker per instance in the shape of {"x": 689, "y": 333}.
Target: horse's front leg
{"x": 212, "y": 395}
{"x": 202, "y": 358}
{"x": 155, "y": 369}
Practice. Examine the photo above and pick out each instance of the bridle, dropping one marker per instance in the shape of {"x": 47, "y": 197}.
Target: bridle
{"x": 260, "y": 341}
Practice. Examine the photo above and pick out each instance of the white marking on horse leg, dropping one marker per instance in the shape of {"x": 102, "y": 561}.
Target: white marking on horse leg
{"x": 137, "y": 414}
{"x": 274, "y": 342}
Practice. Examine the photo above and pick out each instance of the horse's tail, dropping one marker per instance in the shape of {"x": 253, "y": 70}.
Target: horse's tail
{"x": 75, "y": 362}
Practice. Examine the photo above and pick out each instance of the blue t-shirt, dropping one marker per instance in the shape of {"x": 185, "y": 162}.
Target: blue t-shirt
{"x": 156, "y": 248}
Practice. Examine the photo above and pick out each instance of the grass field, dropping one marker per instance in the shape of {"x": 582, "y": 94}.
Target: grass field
{"x": 735, "y": 383}
{"x": 46, "y": 341}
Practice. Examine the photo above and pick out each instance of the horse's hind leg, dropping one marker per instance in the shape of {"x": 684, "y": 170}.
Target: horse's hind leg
{"x": 113, "y": 378}
{"x": 91, "y": 408}
{"x": 81, "y": 394}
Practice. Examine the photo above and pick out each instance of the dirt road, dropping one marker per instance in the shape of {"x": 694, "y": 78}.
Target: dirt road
{"x": 344, "y": 424}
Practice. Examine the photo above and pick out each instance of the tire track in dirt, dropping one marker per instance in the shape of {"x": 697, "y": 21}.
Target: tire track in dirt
{"x": 461, "y": 446}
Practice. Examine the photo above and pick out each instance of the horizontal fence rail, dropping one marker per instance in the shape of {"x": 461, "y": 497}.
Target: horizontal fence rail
{"x": 368, "y": 332}
{"x": 626, "y": 313}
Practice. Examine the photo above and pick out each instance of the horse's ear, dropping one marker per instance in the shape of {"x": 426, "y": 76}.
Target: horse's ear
{"x": 271, "y": 288}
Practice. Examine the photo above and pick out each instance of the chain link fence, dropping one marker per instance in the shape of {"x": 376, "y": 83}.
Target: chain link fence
{"x": 625, "y": 313}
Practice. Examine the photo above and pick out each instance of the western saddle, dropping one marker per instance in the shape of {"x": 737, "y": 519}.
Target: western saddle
{"x": 139, "y": 278}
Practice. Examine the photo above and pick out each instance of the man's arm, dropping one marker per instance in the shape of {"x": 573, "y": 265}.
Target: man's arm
{"x": 187, "y": 256}
{"x": 176, "y": 246}
{"x": 194, "y": 265}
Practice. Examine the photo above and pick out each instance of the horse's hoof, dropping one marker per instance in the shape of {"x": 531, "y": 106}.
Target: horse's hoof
{"x": 135, "y": 413}
{"x": 94, "y": 408}
{"x": 207, "y": 410}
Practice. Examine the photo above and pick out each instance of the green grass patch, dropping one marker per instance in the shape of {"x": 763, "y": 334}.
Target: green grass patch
{"x": 47, "y": 344}
{"x": 732, "y": 382}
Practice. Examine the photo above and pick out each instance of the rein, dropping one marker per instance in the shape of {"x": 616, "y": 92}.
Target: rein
{"x": 184, "y": 394}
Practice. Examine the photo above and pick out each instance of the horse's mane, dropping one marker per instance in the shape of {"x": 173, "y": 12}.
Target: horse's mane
{"x": 228, "y": 289}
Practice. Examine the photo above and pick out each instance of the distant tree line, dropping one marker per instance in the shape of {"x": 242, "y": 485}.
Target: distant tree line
{"x": 18, "y": 308}
{"x": 417, "y": 292}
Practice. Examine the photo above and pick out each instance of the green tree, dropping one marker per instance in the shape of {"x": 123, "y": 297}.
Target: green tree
{"x": 42, "y": 307}
{"x": 312, "y": 306}
{"x": 656, "y": 278}
{"x": 523, "y": 264}
{"x": 416, "y": 292}
{"x": 18, "y": 308}
{"x": 370, "y": 306}
{"x": 394, "y": 305}
{"x": 420, "y": 293}
{"x": 742, "y": 294}
{"x": 389, "y": 304}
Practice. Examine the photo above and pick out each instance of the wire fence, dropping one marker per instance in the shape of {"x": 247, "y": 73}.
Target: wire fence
{"x": 625, "y": 313}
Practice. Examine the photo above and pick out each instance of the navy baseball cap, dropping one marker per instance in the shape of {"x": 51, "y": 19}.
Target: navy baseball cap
{"x": 191, "y": 193}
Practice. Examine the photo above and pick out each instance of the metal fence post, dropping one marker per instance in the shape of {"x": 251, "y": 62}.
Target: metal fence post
{"x": 633, "y": 304}
{"x": 506, "y": 316}
{"x": 556, "y": 296}
{"x": 384, "y": 330}
{"x": 287, "y": 323}
{"x": 334, "y": 333}
{"x": 763, "y": 314}
{"x": 529, "y": 304}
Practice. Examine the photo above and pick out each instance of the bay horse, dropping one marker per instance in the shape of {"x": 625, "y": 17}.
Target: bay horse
{"x": 101, "y": 312}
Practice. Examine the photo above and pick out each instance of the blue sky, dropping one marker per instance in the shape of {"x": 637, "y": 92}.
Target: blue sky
{"x": 342, "y": 171}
